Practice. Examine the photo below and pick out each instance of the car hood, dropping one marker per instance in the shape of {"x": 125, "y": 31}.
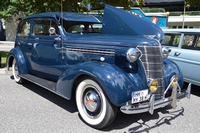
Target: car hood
{"x": 120, "y": 22}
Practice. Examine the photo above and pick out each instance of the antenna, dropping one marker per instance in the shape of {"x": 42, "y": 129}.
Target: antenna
{"x": 61, "y": 21}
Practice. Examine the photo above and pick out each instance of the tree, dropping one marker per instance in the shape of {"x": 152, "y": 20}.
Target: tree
{"x": 192, "y": 3}
{"x": 10, "y": 7}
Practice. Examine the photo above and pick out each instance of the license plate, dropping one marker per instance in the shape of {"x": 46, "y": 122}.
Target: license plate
{"x": 139, "y": 96}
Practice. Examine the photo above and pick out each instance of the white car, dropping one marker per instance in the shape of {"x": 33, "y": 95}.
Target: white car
{"x": 185, "y": 51}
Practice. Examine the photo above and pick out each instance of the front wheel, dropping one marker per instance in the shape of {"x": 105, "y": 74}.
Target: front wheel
{"x": 93, "y": 106}
{"x": 15, "y": 73}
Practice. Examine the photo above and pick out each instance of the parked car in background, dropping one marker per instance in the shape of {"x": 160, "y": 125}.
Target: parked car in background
{"x": 185, "y": 51}
{"x": 119, "y": 67}
{"x": 2, "y": 32}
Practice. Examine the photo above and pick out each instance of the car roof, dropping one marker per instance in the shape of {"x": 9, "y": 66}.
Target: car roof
{"x": 115, "y": 22}
{"x": 188, "y": 31}
{"x": 69, "y": 16}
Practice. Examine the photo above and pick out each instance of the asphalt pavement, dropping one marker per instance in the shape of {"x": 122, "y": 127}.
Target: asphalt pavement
{"x": 29, "y": 108}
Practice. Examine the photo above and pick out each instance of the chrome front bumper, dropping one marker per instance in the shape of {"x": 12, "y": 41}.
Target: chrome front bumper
{"x": 151, "y": 104}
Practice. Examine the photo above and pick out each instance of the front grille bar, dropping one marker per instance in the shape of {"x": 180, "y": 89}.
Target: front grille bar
{"x": 152, "y": 62}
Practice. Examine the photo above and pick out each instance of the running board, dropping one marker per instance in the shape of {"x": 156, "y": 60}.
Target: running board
{"x": 50, "y": 85}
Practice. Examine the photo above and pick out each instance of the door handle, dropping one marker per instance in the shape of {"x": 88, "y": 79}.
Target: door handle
{"x": 177, "y": 53}
{"x": 56, "y": 46}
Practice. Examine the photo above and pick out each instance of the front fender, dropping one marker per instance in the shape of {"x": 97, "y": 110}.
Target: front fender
{"x": 116, "y": 83}
{"x": 17, "y": 54}
{"x": 171, "y": 69}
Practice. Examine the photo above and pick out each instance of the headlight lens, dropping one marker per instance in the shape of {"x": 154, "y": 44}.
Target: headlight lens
{"x": 132, "y": 55}
{"x": 153, "y": 85}
{"x": 174, "y": 80}
{"x": 165, "y": 52}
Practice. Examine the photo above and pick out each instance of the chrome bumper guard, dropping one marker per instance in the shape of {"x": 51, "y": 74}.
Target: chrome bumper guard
{"x": 151, "y": 104}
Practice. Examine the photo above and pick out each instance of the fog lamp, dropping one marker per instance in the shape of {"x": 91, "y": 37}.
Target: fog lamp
{"x": 153, "y": 86}
{"x": 174, "y": 80}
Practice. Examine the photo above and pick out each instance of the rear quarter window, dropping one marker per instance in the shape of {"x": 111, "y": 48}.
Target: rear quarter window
{"x": 24, "y": 28}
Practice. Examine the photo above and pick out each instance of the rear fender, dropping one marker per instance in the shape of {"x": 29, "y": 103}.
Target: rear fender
{"x": 17, "y": 54}
{"x": 116, "y": 84}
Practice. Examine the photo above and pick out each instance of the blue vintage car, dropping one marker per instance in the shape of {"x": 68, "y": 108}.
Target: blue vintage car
{"x": 185, "y": 52}
{"x": 120, "y": 66}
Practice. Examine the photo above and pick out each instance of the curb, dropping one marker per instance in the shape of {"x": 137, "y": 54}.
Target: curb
{"x": 7, "y": 43}
{"x": 3, "y": 70}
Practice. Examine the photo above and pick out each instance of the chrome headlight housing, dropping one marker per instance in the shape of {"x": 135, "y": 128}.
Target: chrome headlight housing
{"x": 165, "y": 52}
{"x": 132, "y": 55}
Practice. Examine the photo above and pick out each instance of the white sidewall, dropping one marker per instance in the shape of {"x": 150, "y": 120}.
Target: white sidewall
{"x": 79, "y": 95}
{"x": 17, "y": 79}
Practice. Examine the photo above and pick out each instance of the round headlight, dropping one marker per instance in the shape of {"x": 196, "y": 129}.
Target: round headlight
{"x": 153, "y": 85}
{"x": 165, "y": 52}
{"x": 174, "y": 80}
{"x": 132, "y": 55}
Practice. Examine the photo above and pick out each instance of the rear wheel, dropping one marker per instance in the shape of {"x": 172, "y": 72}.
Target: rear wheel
{"x": 15, "y": 73}
{"x": 93, "y": 106}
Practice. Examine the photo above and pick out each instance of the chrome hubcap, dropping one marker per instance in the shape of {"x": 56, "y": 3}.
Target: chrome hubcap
{"x": 92, "y": 101}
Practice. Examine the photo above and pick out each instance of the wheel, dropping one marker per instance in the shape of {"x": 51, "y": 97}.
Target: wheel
{"x": 93, "y": 106}
{"x": 15, "y": 73}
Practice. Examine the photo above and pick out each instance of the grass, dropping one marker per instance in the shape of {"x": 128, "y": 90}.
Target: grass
{"x": 3, "y": 57}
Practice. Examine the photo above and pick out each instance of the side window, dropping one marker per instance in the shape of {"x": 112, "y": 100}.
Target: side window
{"x": 24, "y": 28}
{"x": 188, "y": 40}
{"x": 97, "y": 28}
{"x": 42, "y": 28}
{"x": 76, "y": 29}
{"x": 192, "y": 42}
{"x": 171, "y": 40}
{"x": 197, "y": 43}
{"x": 84, "y": 28}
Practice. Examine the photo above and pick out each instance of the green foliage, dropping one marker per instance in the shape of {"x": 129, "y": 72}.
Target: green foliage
{"x": 10, "y": 7}
{"x": 192, "y": 3}
{"x": 149, "y": 10}
{"x": 127, "y": 4}
{"x": 3, "y": 57}
{"x": 7, "y": 9}
{"x": 189, "y": 13}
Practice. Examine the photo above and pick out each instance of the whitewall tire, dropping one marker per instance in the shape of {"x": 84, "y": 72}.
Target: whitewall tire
{"x": 15, "y": 73}
{"x": 92, "y": 104}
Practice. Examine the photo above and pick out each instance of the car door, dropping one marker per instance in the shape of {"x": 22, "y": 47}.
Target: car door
{"x": 187, "y": 56}
{"x": 45, "y": 59}
{"x": 22, "y": 38}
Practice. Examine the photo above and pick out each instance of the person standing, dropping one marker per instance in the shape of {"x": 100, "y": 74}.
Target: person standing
{"x": 19, "y": 20}
{"x": 2, "y": 32}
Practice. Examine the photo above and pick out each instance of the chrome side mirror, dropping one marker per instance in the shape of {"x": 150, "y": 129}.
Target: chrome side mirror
{"x": 52, "y": 30}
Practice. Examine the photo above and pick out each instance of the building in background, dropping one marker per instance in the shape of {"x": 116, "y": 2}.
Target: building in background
{"x": 179, "y": 21}
{"x": 159, "y": 19}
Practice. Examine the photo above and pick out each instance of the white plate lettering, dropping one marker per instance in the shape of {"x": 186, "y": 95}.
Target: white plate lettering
{"x": 139, "y": 96}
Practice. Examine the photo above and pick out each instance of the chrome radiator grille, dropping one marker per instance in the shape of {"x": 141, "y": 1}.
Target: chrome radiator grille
{"x": 151, "y": 59}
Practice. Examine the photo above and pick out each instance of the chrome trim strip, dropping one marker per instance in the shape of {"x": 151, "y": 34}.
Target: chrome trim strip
{"x": 94, "y": 51}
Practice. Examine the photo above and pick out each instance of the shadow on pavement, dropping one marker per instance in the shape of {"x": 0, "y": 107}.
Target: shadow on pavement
{"x": 69, "y": 105}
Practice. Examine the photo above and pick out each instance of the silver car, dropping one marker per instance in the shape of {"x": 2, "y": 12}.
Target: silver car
{"x": 185, "y": 51}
